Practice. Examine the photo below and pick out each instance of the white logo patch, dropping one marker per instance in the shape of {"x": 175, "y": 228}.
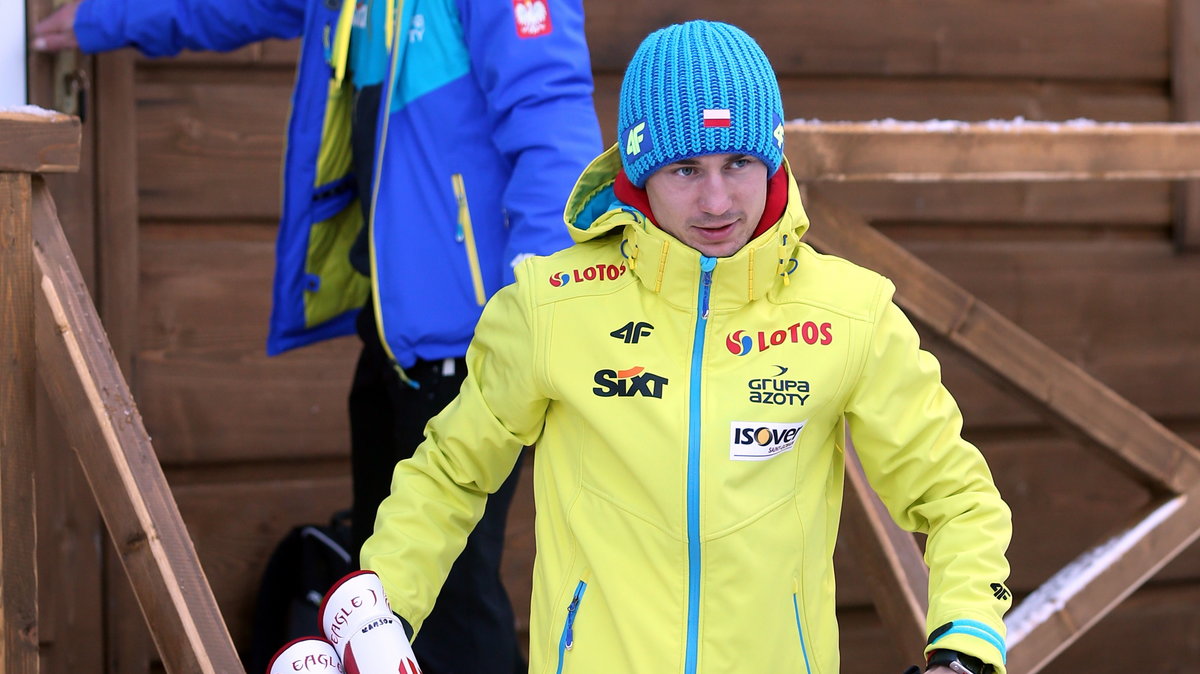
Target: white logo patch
{"x": 760, "y": 440}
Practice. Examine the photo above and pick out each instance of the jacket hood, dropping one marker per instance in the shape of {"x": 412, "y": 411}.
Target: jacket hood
{"x": 666, "y": 265}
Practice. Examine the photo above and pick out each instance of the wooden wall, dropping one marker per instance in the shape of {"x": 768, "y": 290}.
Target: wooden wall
{"x": 254, "y": 445}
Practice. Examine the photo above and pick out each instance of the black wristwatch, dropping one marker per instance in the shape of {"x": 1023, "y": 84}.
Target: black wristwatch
{"x": 960, "y": 663}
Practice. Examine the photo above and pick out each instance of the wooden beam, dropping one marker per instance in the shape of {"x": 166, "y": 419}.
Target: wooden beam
{"x": 38, "y": 141}
{"x": 1185, "y": 99}
{"x": 105, "y": 429}
{"x": 1151, "y": 451}
{"x": 117, "y": 235}
{"x": 18, "y": 526}
{"x": 991, "y": 151}
{"x": 891, "y": 561}
{"x": 1086, "y": 590}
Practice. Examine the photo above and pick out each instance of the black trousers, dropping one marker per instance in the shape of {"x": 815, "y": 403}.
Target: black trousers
{"x": 472, "y": 628}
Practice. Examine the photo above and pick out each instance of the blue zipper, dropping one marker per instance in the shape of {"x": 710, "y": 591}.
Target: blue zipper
{"x": 707, "y": 264}
{"x": 800, "y": 630}
{"x": 568, "y": 636}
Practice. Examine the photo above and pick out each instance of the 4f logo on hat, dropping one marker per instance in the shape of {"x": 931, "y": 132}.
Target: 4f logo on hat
{"x": 638, "y": 139}
{"x": 533, "y": 18}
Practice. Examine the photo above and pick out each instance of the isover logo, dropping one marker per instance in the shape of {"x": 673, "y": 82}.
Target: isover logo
{"x": 759, "y": 441}
{"x": 777, "y": 390}
{"x": 600, "y": 272}
{"x": 628, "y": 383}
{"x": 740, "y": 343}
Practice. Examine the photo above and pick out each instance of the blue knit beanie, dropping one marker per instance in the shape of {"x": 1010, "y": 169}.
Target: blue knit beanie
{"x": 698, "y": 88}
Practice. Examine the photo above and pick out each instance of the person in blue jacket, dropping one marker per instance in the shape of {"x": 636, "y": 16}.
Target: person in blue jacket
{"x": 432, "y": 145}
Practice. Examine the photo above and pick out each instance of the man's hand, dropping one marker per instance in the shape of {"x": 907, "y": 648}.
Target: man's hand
{"x": 940, "y": 669}
{"x": 57, "y": 31}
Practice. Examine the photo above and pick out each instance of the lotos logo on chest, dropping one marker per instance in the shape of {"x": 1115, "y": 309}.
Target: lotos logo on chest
{"x": 741, "y": 343}
{"x": 599, "y": 272}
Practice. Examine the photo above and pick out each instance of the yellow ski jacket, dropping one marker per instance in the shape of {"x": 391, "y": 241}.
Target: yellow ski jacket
{"x": 689, "y": 415}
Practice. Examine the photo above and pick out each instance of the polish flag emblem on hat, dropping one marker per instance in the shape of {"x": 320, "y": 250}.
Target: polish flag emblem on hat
{"x": 716, "y": 117}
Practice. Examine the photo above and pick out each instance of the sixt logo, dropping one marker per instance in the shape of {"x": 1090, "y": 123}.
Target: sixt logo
{"x": 628, "y": 383}
{"x": 631, "y": 332}
{"x": 777, "y": 391}
{"x": 739, "y": 343}
{"x": 759, "y": 441}
{"x": 600, "y": 272}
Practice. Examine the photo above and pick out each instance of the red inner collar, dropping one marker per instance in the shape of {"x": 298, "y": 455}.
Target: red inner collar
{"x": 777, "y": 198}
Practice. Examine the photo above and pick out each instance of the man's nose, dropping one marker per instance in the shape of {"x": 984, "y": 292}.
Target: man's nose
{"x": 715, "y": 195}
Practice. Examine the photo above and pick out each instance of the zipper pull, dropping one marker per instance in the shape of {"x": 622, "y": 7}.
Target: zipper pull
{"x": 570, "y": 638}
{"x": 707, "y": 264}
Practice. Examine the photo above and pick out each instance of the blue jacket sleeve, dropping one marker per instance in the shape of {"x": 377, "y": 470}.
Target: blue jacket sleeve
{"x": 165, "y": 27}
{"x": 536, "y": 75}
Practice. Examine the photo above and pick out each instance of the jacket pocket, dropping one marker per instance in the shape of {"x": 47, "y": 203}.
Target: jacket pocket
{"x": 466, "y": 236}
{"x": 800, "y": 631}
{"x": 567, "y": 641}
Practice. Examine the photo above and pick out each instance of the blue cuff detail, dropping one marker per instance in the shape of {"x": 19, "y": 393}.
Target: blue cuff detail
{"x": 978, "y": 630}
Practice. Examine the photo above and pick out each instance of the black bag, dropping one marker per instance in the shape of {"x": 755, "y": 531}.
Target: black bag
{"x": 305, "y": 564}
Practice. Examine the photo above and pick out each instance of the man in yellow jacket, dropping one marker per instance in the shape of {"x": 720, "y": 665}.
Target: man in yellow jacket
{"x": 686, "y": 371}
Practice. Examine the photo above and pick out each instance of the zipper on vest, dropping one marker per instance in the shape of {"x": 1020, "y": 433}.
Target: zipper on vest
{"x": 567, "y": 642}
{"x": 800, "y": 631}
{"x": 707, "y": 264}
{"x": 397, "y": 18}
{"x": 466, "y": 235}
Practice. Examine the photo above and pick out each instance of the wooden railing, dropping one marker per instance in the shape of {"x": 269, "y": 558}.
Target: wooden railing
{"x": 50, "y": 330}
{"x": 1087, "y": 589}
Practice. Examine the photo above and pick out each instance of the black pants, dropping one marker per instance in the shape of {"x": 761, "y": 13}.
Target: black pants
{"x": 471, "y": 629}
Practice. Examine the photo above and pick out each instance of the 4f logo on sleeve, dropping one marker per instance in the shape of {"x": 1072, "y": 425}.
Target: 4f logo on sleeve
{"x": 629, "y": 383}
{"x": 533, "y": 18}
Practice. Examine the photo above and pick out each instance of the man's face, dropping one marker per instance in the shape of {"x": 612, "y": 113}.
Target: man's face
{"x": 712, "y": 203}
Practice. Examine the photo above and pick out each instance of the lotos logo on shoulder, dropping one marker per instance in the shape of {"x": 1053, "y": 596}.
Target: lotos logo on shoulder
{"x": 760, "y": 440}
{"x": 740, "y": 343}
{"x": 599, "y": 272}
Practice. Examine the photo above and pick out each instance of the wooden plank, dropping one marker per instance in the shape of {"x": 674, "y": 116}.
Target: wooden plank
{"x": 196, "y": 140}
{"x": 1001, "y": 150}
{"x": 236, "y": 526}
{"x": 893, "y": 564}
{"x": 971, "y": 99}
{"x": 38, "y": 141}
{"x": 1185, "y": 94}
{"x": 116, "y": 203}
{"x": 1058, "y": 613}
{"x": 289, "y": 408}
{"x": 70, "y": 562}
{"x": 1064, "y": 389}
{"x": 18, "y": 526}
{"x": 1066, "y": 39}
{"x": 105, "y": 428}
{"x": 200, "y": 135}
